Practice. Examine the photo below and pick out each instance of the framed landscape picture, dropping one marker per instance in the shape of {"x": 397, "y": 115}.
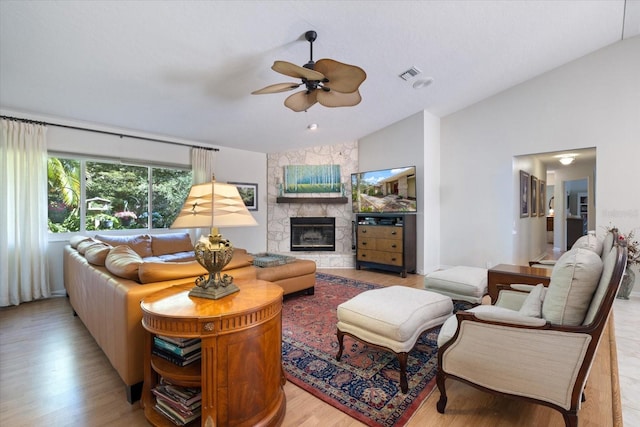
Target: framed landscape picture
{"x": 534, "y": 196}
{"x": 525, "y": 182}
{"x": 249, "y": 194}
{"x": 312, "y": 179}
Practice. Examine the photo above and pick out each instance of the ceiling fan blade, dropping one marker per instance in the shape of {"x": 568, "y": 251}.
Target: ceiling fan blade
{"x": 338, "y": 99}
{"x": 301, "y": 101}
{"x": 343, "y": 78}
{"x": 278, "y": 87}
{"x": 293, "y": 70}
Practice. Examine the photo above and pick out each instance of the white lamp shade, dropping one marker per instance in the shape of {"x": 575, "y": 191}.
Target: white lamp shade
{"x": 228, "y": 209}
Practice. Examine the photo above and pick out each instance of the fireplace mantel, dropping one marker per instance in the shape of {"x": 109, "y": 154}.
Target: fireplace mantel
{"x": 334, "y": 200}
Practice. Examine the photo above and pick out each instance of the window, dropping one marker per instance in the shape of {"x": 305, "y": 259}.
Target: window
{"x": 113, "y": 196}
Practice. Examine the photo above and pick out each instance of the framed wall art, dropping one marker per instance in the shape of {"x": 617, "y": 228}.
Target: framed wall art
{"x": 542, "y": 196}
{"x": 249, "y": 194}
{"x": 525, "y": 182}
{"x": 534, "y": 196}
{"x": 312, "y": 179}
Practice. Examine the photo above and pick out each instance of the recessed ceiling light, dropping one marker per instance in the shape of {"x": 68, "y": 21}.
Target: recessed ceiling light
{"x": 312, "y": 126}
{"x": 419, "y": 84}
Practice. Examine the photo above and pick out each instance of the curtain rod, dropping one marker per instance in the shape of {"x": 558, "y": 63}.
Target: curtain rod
{"x": 121, "y": 135}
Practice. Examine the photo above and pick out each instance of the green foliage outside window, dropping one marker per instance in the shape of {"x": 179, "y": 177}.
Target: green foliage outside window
{"x": 116, "y": 195}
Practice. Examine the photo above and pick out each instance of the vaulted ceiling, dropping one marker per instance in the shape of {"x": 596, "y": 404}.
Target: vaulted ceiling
{"x": 185, "y": 69}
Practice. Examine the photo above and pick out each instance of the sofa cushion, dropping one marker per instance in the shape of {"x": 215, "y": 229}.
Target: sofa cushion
{"x": 85, "y": 244}
{"x": 149, "y": 272}
{"x": 140, "y": 243}
{"x": 589, "y": 241}
{"x": 532, "y": 305}
{"x": 162, "y": 244}
{"x": 96, "y": 254}
{"x": 124, "y": 262}
{"x": 75, "y": 240}
{"x": 573, "y": 282}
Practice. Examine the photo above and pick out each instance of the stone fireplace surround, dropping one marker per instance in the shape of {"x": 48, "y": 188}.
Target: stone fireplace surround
{"x": 279, "y": 214}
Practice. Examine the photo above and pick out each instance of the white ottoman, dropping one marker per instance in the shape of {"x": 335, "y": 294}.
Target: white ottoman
{"x": 459, "y": 283}
{"x": 392, "y": 318}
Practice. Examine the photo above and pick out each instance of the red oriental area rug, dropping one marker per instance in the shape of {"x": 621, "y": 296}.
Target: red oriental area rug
{"x": 365, "y": 383}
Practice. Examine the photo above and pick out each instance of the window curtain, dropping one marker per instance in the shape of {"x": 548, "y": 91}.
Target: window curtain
{"x": 202, "y": 164}
{"x": 23, "y": 213}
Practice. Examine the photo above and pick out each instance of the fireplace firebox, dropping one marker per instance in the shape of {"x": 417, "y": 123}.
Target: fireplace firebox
{"x": 313, "y": 234}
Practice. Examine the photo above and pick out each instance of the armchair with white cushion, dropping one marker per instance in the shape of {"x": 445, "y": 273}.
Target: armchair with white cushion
{"x": 536, "y": 343}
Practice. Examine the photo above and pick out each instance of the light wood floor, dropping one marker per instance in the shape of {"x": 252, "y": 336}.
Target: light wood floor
{"x": 53, "y": 373}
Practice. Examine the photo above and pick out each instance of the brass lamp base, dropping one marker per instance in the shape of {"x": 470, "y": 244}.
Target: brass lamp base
{"x": 213, "y": 293}
{"x": 214, "y": 254}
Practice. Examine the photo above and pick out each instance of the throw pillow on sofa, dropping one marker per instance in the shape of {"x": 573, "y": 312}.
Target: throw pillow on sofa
{"x": 96, "y": 254}
{"x": 140, "y": 243}
{"x": 163, "y": 244}
{"x": 85, "y": 244}
{"x": 124, "y": 262}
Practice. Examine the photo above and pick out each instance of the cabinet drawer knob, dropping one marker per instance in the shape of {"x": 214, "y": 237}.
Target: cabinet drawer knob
{"x": 394, "y": 232}
{"x": 364, "y": 243}
{"x": 363, "y": 231}
{"x": 393, "y": 259}
{"x": 364, "y": 255}
{"x": 394, "y": 246}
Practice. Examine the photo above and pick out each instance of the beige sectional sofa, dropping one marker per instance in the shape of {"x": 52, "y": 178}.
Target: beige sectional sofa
{"x": 106, "y": 277}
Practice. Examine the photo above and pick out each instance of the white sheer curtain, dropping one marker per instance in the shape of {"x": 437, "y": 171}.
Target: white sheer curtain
{"x": 202, "y": 164}
{"x": 23, "y": 212}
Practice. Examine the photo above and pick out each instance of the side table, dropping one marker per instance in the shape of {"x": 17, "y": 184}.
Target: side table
{"x": 240, "y": 373}
{"x": 508, "y": 274}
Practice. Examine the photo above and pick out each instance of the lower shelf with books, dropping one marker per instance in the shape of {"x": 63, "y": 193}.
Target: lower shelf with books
{"x": 181, "y": 405}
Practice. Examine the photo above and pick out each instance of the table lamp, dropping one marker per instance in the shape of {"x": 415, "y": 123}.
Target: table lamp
{"x": 213, "y": 205}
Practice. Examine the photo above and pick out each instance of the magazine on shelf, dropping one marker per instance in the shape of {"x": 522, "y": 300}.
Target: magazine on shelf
{"x": 172, "y": 415}
{"x": 177, "y": 402}
{"x": 176, "y": 359}
{"x": 179, "y": 350}
{"x": 180, "y": 342}
{"x": 185, "y": 395}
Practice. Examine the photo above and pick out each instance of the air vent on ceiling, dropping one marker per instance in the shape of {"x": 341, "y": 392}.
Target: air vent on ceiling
{"x": 410, "y": 73}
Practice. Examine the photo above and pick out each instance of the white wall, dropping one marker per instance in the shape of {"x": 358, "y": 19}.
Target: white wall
{"x": 230, "y": 165}
{"x": 591, "y": 102}
{"x": 414, "y": 141}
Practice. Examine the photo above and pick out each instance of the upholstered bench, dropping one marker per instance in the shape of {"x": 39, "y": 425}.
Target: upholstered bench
{"x": 460, "y": 283}
{"x": 392, "y": 318}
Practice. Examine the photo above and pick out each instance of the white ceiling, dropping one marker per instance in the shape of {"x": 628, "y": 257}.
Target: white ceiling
{"x": 185, "y": 69}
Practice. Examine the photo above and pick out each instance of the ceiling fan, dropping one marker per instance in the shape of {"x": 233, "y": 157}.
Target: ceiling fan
{"x": 329, "y": 82}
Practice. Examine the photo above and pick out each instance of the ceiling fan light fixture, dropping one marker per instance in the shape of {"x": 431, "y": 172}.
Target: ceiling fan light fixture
{"x": 328, "y": 82}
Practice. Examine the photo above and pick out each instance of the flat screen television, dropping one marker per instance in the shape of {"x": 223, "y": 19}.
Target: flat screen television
{"x": 384, "y": 191}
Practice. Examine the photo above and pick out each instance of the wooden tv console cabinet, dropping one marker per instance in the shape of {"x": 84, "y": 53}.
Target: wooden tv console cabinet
{"x": 240, "y": 372}
{"x": 387, "y": 242}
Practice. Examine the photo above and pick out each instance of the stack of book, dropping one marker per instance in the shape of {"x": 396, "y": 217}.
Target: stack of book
{"x": 180, "y": 351}
{"x": 179, "y": 404}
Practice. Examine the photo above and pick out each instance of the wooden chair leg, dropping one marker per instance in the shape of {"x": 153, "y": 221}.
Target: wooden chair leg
{"x": 340, "y": 335}
{"x": 442, "y": 402}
